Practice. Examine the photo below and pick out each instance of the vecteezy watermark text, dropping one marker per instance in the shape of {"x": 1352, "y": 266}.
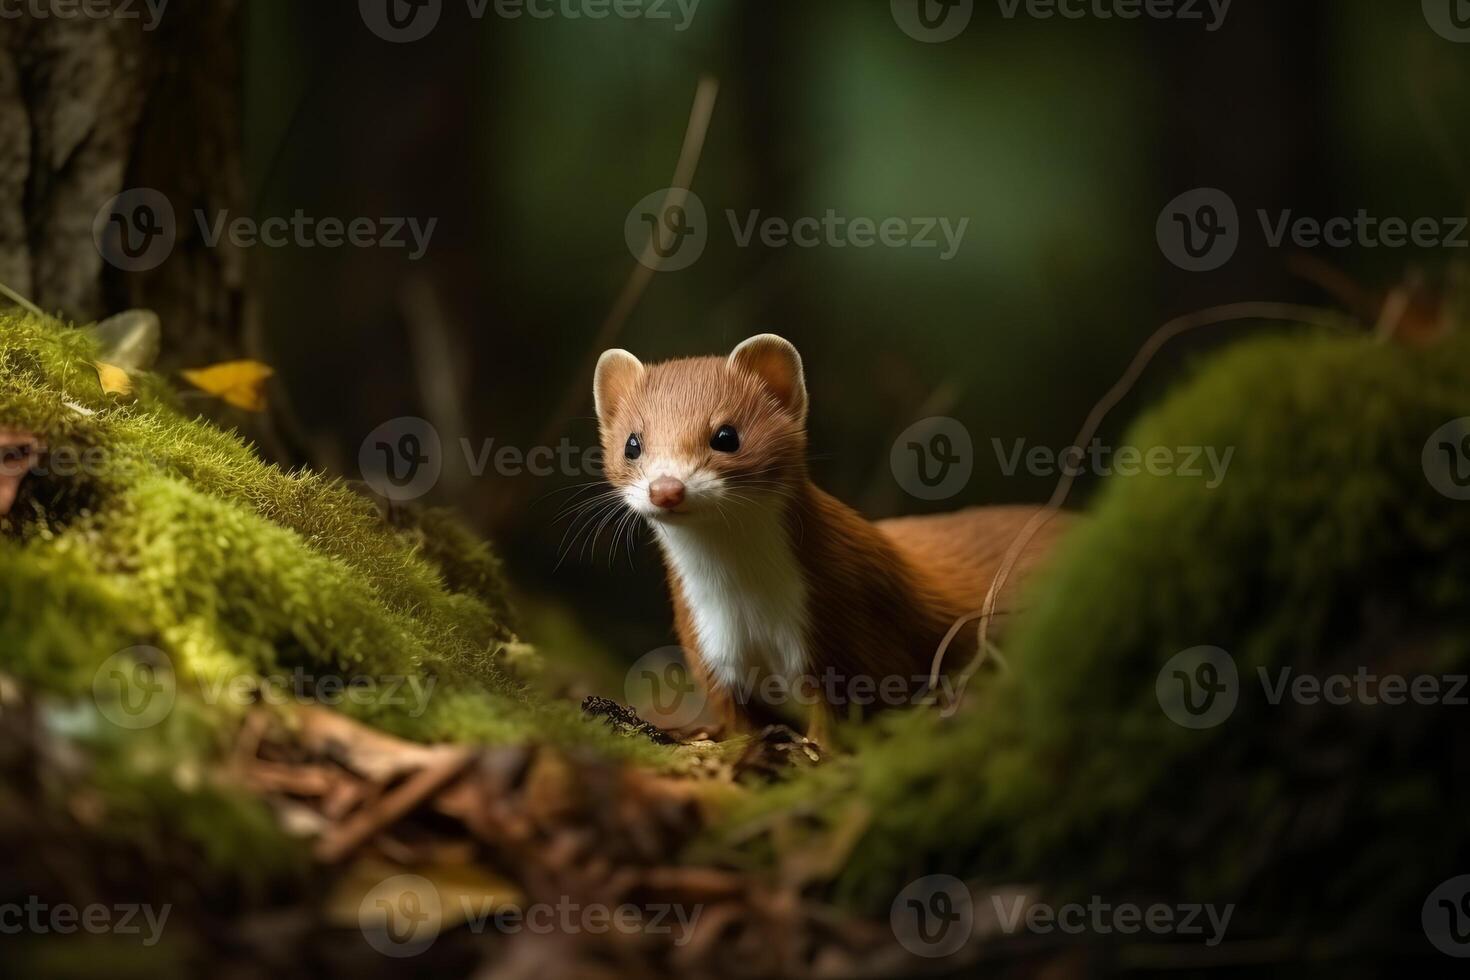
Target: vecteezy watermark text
{"x": 137, "y": 688}
{"x": 1100, "y": 917}
{"x": 304, "y": 231}
{"x": 668, "y": 230}
{"x": 1196, "y": 462}
{"x": 663, "y": 689}
{"x": 934, "y": 458}
{"x": 1210, "y": 13}
{"x": 404, "y": 21}
{"x": 402, "y": 916}
{"x": 36, "y": 917}
{"x": 934, "y": 916}
{"x": 1201, "y": 230}
{"x": 403, "y": 458}
{"x": 137, "y": 230}
{"x": 934, "y": 21}
{"x": 149, "y": 11}
{"x": 1201, "y": 687}
{"x": 833, "y": 230}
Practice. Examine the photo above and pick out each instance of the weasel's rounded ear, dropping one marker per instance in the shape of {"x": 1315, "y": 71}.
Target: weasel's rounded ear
{"x": 778, "y": 365}
{"x": 617, "y": 372}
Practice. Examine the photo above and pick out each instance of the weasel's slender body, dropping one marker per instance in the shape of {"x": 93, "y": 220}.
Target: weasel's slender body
{"x": 771, "y": 577}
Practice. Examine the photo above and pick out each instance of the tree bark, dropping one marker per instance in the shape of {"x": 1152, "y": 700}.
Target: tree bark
{"x": 90, "y": 107}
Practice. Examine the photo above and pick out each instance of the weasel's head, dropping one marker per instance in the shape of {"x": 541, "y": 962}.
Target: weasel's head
{"x": 694, "y": 439}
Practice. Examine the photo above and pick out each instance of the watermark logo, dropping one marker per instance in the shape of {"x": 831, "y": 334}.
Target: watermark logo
{"x": 136, "y": 230}
{"x": 401, "y": 21}
{"x": 1446, "y": 917}
{"x": 1199, "y": 687}
{"x": 1450, "y": 19}
{"x": 933, "y": 917}
{"x": 1446, "y": 459}
{"x": 402, "y": 459}
{"x": 1199, "y": 230}
{"x": 135, "y": 688}
{"x": 934, "y": 458}
{"x": 664, "y": 689}
{"x": 932, "y": 21}
{"x": 401, "y": 916}
{"x": 667, "y": 230}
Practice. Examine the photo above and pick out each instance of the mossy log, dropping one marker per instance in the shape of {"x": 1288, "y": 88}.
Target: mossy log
{"x": 1326, "y": 551}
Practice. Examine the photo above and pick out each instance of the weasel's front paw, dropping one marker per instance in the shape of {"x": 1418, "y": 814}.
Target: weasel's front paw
{"x": 774, "y": 750}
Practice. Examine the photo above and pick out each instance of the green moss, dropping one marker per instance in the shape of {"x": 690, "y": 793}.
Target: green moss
{"x": 148, "y": 527}
{"x": 1324, "y": 549}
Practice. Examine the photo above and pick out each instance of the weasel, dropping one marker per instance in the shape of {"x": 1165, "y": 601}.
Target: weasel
{"x": 771, "y": 578}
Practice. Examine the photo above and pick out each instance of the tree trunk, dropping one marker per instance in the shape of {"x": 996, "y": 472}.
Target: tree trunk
{"x": 92, "y": 107}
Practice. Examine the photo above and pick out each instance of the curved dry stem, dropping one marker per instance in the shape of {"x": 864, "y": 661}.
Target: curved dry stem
{"x": 1285, "y": 312}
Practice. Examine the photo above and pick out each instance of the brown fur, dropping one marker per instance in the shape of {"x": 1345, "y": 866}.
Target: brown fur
{"x": 881, "y": 596}
{"x": 675, "y": 405}
{"x": 885, "y": 594}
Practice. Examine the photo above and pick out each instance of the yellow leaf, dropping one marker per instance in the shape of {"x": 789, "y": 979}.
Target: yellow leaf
{"x": 442, "y": 895}
{"x": 115, "y": 380}
{"x": 238, "y": 383}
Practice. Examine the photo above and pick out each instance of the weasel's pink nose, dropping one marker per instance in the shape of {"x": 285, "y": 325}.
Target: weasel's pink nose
{"x": 666, "y": 492}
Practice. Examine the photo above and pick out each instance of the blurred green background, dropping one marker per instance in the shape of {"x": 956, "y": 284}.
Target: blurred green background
{"x": 1060, "y": 140}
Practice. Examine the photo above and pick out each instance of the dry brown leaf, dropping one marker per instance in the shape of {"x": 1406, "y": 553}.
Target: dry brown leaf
{"x": 360, "y": 827}
{"x": 237, "y": 383}
{"x": 366, "y": 751}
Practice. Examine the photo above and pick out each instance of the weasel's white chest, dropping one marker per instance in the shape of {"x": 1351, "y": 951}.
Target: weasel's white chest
{"x": 746, "y": 597}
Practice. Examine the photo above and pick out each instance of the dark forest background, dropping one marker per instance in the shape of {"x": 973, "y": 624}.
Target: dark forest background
{"x": 1061, "y": 140}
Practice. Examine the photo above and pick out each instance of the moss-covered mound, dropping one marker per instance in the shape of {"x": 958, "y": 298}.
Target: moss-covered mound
{"x": 144, "y": 527}
{"x": 1327, "y": 551}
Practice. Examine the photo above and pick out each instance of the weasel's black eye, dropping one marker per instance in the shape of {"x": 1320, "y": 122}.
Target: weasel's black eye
{"x": 725, "y": 440}
{"x": 632, "y": 449}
